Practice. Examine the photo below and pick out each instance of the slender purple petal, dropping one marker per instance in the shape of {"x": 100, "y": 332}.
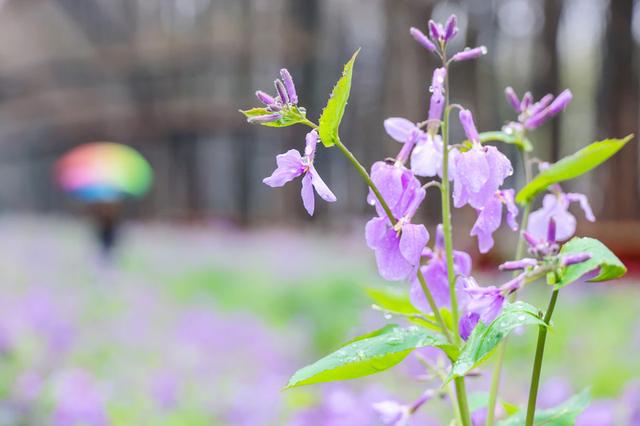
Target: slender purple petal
{"x": 289, "y": 86}
{"x": 321, "y": 188}
{"x": 468, "y": 54}
{"x": 421, "y": 38}
{"x": 308, "y": 199}
{"x": 489, "y": 219}
{"x": 289, "y": 167}
{"x": 584, "y": 204}
{"x": 508, "y": 196}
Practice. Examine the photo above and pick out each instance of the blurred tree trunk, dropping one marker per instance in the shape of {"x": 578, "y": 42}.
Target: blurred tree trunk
{"x": 618, "y": 112}
{"x": 548, "y": 70}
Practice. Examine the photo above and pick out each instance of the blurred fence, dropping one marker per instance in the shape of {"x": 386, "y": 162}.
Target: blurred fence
{"x": 168, "y": 76}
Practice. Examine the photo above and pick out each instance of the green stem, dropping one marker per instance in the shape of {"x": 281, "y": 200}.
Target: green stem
{"x": 537, "y": 364}
{"x": 520, "y": 245}
{"x": 433, "y": 306}
{"x": 367, "y": 179}
{"x": 463, "y": 404}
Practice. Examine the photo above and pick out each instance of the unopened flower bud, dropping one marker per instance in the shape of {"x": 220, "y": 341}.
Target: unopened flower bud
{"x": 467, "y": 54}
{"x": 560, "y": 102}
{"x": 451, "y": 28}
{"x": 264, "y": 118}
{"x": 421, "y": 38}
{"x": 513, "y": 265}
{"x": 289, "y": 86}
{"x": 512, "y": 98}
{"x": 265, "y": 98}
{"x": 282, "y": 92}
{"x": 436, "y": 30}
{"x": 466, "y": 119}
{"x": 572, "y": 259}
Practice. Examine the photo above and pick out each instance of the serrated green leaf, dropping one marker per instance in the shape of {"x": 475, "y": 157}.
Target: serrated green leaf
{"x": 584, "y": 160}
{"x": 601, "y": 257}
{"x": 522, "y": 143}
{"x": 370, "y": 355}
{"x": 484, "y": 338}
{"x": 333, "y": 112}
{"x": 290, "y": 115}
{"x": 564, "y": 414}
{"x": 392, "y": 300}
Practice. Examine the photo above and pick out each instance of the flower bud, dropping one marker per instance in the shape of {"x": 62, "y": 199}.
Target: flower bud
{"x": 451, "y": 28}
{"x": 436, "y": 31}
{"x": 289, "y": 86}
{"x": 282, "y": 92}
{"x": 572, "y": 259}
{"x": 560, "y": 102}
{"x": 527, "y": 100}
{"x": 265, "y": 98}
{"x": 467, "y": 54}
{"x": 513, "y": 265}
{"x": 466, "y": 119}
{"x": 512, "y": 98}
{"x": 421, "y": 38}
{"x": 541, "y": 104}
{"x": 264, "y": 118}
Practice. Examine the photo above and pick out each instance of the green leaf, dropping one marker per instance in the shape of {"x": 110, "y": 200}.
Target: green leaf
{"x": 484, "y": 338}
{"x": 372, "y": 354}
{"x": 564, "y": 414}
{"x": 586, "y": 159}
{"x": 392, "y": 300}
{"x": 522, "y": 143}
{"x": 290, "y": 115}
{"x": 601, "y": 257}
{"x": 333, "y": 112}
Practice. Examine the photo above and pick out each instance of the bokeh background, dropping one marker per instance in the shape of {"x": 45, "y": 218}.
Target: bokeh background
{"x": 220, "y": 286}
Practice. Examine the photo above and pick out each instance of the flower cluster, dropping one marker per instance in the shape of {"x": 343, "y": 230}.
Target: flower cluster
{"x": 444, "y": 294}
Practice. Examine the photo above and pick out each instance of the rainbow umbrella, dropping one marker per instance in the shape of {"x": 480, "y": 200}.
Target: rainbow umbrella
{"x": 104, "y": 171}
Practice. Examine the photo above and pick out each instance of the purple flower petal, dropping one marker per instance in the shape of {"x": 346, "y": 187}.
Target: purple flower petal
{"x": 308, "y": 198}
{"x": 321, "y": 188}
{"x": 399, "y": 128}
{"x": 584, "y": 204}
{"x": 412, "y": 240}
{"x": 426, "y": 158}
{"x": 289, "y": 167}
{"x": 488, "y": 221}
{"x": 375, "y": 231}
{"x": 468, "y": 54}
{"x": 513, "y": 265}
{"x": 451, "y": 28}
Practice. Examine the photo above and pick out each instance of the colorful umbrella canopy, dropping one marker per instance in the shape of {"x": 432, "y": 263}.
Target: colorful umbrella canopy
{"x": 104, "y": 171}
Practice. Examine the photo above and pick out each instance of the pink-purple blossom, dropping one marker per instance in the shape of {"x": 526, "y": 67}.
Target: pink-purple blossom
{"x": 292, "y": 164}
{"x": 490, "y": 218}
{"x": 533, "y": 115}
{"x": 286, "y": 98}
{"x": 555, "y": 206}
{"x": 397, "y": 246}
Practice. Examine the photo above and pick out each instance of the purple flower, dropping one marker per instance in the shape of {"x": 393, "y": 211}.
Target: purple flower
{"x": 482, "y": 304}
{"x": 435, "y": 274}
{"x": 556, "y": 206}
{"x": 533, "y": 115}
{"x": 398, "y": 247}
{"x": 426, "y": 157}
{"x": 490, "y": 218}
{"x": 392, "y": 413}
{"x": 406, "y": 132}
{"x": 438, "y": 34}
{"x": 468, "y": 54}
{"x": 291, "y": 165}
{"x": 286, "y": 98}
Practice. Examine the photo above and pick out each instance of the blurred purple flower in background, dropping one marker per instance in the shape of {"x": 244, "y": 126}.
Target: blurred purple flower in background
{"x": 78, "y": 400}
